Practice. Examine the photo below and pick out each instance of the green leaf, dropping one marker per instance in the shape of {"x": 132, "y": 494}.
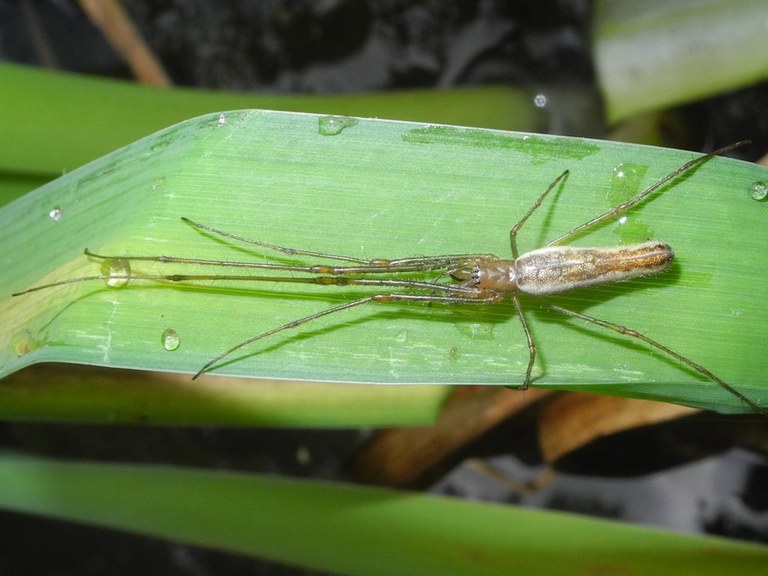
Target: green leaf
{"x": 346, "y": 529}
{"x": 84, "y": 394}
{"x": 381, "y": 189}
{"x": 57, "y": 121}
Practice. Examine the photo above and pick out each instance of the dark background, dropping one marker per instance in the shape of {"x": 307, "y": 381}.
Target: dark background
{"x": 345, "y": 46}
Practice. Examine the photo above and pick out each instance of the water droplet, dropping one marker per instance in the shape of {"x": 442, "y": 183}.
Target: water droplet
{"x": 303, "y": 455}
{"x": 170, "y": 339}
{"x": 55, "y": 214}
{"x": 116, "y": 272}
{"x": 24, "y": 343}
{"x": 157, "y": 146}
{"x": 332, "y": 125}
{"x": 540, "y": 101}
{"x": 625, "y": 182}
{"x": 758, "y": 191}
{"x": 476, "y": 331}
{"x": 402, "y": 336}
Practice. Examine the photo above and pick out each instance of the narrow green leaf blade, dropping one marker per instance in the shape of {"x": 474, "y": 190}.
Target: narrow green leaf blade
{"x": 89, "y": 116}
{"x": 348, "y": 529}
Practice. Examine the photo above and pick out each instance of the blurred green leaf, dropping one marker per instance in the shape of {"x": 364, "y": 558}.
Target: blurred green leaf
{"x": 56, "y": 121}
{"x": 657, "y": 54}
{"x": 346, "y": 529}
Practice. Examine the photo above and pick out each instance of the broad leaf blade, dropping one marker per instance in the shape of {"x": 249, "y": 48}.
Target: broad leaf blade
{"x": 388, "y": 189}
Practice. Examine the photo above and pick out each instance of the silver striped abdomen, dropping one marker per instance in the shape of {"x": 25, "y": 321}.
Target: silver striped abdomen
{"x": 559, "y": 268}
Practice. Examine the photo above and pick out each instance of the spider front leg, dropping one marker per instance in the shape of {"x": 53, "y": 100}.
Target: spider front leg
{"x": 531, "y": 210}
